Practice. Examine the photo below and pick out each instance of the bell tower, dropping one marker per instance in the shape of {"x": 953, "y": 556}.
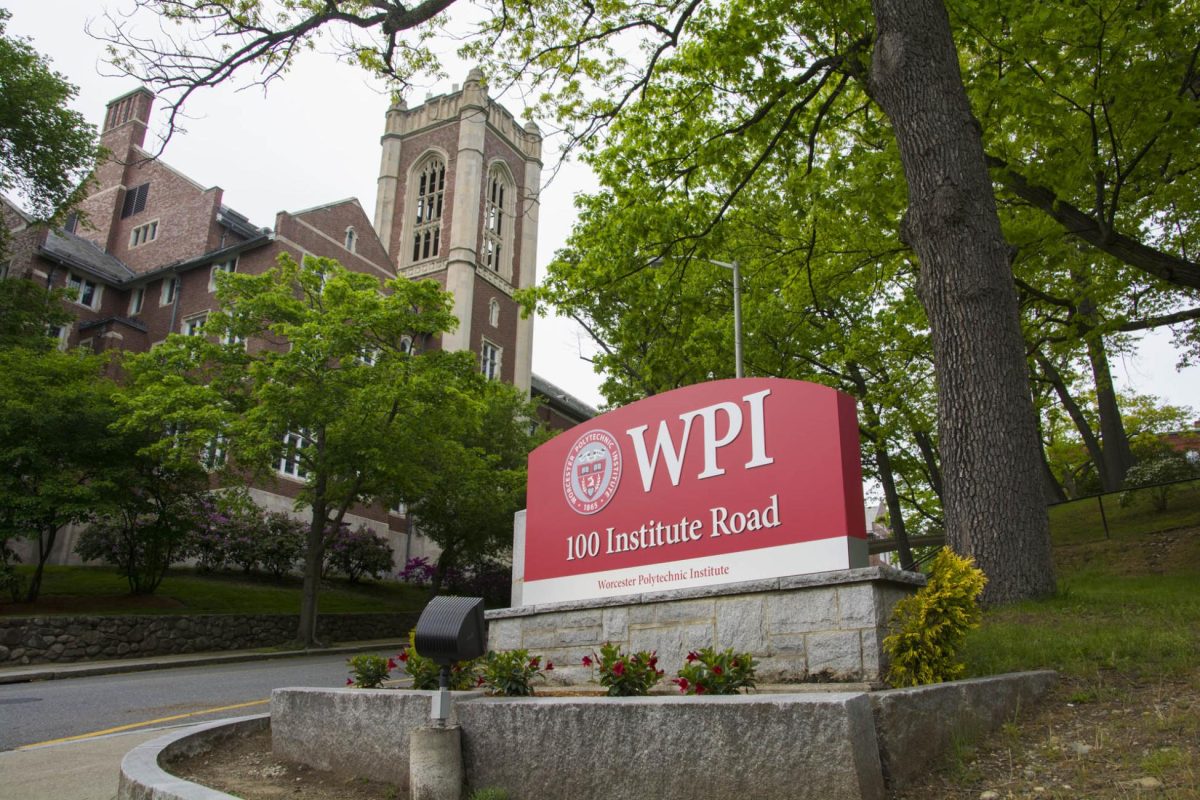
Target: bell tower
{"x": 457, "y": 202}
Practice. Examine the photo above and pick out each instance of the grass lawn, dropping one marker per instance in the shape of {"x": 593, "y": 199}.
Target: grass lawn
{"x": 100, "y": 590}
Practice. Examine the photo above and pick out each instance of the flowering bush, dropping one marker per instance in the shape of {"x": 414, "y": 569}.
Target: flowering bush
{"x": 370, "y": 671}
{"x": 710, "y": 672}
{"x": 425, "y": 673}
{"x": 625, "y": 675}
{"x": 357, "y": 552}
{"x": 419, "y": 571}
{"x": 1157, "y": 475}
{"x": 487, "y": 579}
{"x": 511, "y": 673}
{"x": 280, "y": 543}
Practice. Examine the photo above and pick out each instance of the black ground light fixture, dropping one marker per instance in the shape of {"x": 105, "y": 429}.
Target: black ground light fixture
{"x": 450, "y": 629}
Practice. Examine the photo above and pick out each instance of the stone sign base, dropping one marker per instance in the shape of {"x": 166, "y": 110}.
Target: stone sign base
{"x": 826, "y": 626}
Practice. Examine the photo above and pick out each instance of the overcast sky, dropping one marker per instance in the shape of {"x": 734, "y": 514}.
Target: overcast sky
{"x": 314, "y": 138}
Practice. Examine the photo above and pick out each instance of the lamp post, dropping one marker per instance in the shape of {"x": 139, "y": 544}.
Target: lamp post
{"x": 736, "y": 268}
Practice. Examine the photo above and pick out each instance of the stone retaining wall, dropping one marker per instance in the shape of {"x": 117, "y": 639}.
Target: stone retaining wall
{"x": 40, "y": 640}
{"x": 822, "y": 626}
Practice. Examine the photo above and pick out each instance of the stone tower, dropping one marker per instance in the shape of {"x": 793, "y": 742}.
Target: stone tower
{"x": 458, "y": 202}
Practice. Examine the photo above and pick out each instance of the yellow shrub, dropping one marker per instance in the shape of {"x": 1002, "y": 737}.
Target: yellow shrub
{"x": 928, "y": 628}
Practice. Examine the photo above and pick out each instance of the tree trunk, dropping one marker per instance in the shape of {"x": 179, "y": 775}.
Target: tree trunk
{"x": 314, "y": 555}
{"x": 1118, "y": 457}
{"x": 45, "y": 543}
{"x": 1051, "y": 488}
{"x": 1090, "y": 442}
{"x": 992, "y": 481}
{"x": 929, "y": 456}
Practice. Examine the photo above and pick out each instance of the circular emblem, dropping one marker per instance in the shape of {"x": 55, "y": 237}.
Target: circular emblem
{"x": 591, "y": 472}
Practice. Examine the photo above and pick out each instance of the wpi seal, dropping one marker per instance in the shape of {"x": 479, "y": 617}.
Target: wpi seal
{"x": 591, "y": 472}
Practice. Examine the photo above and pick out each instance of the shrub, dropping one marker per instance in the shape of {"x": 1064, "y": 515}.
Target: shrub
{"x": 710, "y": 672}
{"x": 425, "y": 673}
{"x": 279, "y": 543}
{"x": 625, "y": 675}
{"x": 10, "y": 580}
{"x": 490, "y": 580}
{"x": 511, "y": 673}
{"x": 370, "y": 671}
{"x": 141, "y": 546}
{"x": 1163, "y": 471}
{"x": 419, "y": 571}
{"x": 357, "y": 552}
{"x": 928, "y": 628}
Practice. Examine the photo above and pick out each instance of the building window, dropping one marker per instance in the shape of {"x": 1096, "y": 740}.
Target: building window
{"x": 494, "y": 312}
{"x": 400, "y": 509}
{"x": 143, "y": 233}
{"x": 170, "y": 288}
{"x": 87, "y": 344}
{"x": 427, "y": 225}
{"x": 489, "y": 360}
{"x": 59, "y": 334}
{"x": 136, "y": 298}
{"x": 135, "y": 200}
{"x": 406, "y": 345}
{"x": 231, "y": 339}
{"x": 192, "y": 326}
{"x": 87, "y": 293}
{"x": 351, "y": 239}
{"x": 290, "y": 461}
{"x": 497, "y": 222}
{"x": 224, "y": 266}
{"x": 212, "y": 457}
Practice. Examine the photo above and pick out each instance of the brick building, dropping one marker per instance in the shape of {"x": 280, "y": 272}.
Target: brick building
{"x": 457, "y": 203}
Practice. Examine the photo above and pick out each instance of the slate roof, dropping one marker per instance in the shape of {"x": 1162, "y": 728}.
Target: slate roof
{"x": 560, "y": 397}
{"x": 73, "y": 251}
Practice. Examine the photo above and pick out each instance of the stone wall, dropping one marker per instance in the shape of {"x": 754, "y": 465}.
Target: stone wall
{"x": 786, "y": 746}
{"x": 39, "y": 640}
{"x": 822, "y": 626}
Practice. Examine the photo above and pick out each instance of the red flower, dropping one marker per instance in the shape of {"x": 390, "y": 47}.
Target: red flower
{"x": 587, "y": 661}
{"x": 653, "y": 662}
{"x": 618, "y": 668}
{"x": 699, "y": 688}
{"x": 391, "y": 664}
{"x": 403, "y": 656}
{"x": 692, "y": 656}
{"x": 682, "y": 683}
{"x": 549, "y": 666}
{"x": 349, "y": 682}
{"x": 533, "y": 662}
{"x": 479, "y": 681}
{"x": 734, "y": 664}
{"x": 717, "y": 670}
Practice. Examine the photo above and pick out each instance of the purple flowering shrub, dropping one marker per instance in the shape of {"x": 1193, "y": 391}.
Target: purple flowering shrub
{"x": 418, "y": 571}
{"x": 280, "y": 543}
{"x": 358, "y": 552}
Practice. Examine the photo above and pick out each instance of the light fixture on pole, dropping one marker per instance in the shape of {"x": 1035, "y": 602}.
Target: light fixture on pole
{"x": 737, "y": 306}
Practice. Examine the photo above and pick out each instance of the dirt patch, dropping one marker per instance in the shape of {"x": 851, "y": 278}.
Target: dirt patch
{"x": 1164, "y": 553}
{"x": 1106, "y": 738}
{"x": 245, "y": 766}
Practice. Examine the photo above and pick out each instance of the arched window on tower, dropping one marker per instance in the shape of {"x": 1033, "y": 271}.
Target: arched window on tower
{"x": 498, "y": 222}
{"x": 494, "y": 312}
{"x": 427, "y": 223}
{"x": 351, "y": 238}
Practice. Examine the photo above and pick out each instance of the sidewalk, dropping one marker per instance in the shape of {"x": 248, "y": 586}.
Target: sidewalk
{"x": 79, "y": 669}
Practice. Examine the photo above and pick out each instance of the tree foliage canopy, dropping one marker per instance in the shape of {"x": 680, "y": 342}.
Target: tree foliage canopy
{"x": 46, "y": 149}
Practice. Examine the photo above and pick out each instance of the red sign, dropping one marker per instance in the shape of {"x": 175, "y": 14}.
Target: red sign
{"x": 720, "y": 482}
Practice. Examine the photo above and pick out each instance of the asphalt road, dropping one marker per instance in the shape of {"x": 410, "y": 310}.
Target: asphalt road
{"x": 35, "y": 713}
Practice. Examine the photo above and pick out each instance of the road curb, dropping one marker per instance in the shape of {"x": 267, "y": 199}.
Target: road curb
{"x": 143, "y": 779}
{"x": 51, "y": 672}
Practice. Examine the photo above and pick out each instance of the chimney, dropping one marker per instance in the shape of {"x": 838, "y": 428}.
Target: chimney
{"x": 132, "y": 110}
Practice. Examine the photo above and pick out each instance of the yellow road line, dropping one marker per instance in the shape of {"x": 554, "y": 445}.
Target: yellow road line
{"x": 133, "y": 725}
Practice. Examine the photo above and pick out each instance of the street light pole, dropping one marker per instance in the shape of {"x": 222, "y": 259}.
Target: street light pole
{"x": 737, "y": 319}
